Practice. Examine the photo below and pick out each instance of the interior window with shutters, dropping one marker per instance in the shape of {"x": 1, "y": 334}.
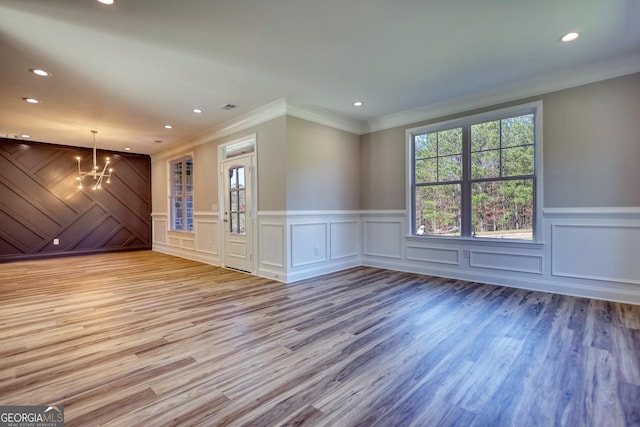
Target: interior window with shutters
{"x": 476, "y": 177}
{"x": 181, "y": 194}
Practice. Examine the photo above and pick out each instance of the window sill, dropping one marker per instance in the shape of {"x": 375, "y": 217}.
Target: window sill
{"x": 476, "y": 241}
{"x": 181, "y": 232}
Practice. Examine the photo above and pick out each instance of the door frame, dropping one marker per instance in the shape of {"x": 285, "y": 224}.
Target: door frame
{"x": 248, "y": 149}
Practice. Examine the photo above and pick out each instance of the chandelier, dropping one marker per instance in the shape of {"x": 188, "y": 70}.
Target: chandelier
{"x": 98, "y": 176}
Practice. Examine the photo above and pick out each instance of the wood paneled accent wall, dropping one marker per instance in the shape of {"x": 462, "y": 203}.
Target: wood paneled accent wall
{"x": 40, "y": 201}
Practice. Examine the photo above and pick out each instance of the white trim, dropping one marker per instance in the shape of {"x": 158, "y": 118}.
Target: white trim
{"x": 205, "y": 213}
{"x": 190, "y": 155}
{"x": 487, "y": 116}
{"x": 592, "y": 212}
{"x": 534, "y": 108}
{"x": 583, "y": 290}
{"x": 475, "y": 264}
{"x": 290, "y": 214}
{"x": 325, "y": 117}
{"x": 200, "y": 256}
{"x": 273, "y": 110}
{"x": 559, "y": 80}
{"x": 255, "y": 117}
{"x": 435, "y": 248}
{"x": 354, "y": 222}
{"x": 539, "y": 272}
{"x": 589, "y": 226}
{"x": 251, "y": 198}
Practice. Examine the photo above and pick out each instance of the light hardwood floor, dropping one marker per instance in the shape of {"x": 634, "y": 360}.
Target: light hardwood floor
{"x": 142, "y": 338}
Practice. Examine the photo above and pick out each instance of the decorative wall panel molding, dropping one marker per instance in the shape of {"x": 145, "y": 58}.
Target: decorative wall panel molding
{"x": 272, "y": 245}
{"x": 383, "y": 238}
{"x": 609, "y": 252}
{"x": 308, "y": 244}
{"x": 507, "y": 261}
{"x": 433, "y": 254}
{"x": 584, "y": 252}
{"x": 40, "y": 202}
{"x": 344, "y": 238}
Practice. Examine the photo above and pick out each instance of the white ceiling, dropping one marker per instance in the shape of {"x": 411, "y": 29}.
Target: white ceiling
{"x": 128, "y": 69}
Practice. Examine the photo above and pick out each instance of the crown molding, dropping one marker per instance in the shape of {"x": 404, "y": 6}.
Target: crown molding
{"x": 558, "y": 80}
{"x": 325, "y": 117}
{"x": 270, "y": 111}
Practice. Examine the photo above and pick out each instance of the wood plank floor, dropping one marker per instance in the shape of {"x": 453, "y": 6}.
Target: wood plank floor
{"x": 146, "y": 339}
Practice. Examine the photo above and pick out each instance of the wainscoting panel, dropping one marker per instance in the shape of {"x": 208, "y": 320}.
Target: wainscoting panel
{"x": 272, "y": 246}
{"x": 344, "y": 239}
{"x": 597, "y": 251}
{"x": 584, "y": 252}
{"x": 296, "y": 245}
{"x": 159, "y": 229}
{"x": 201, "y": 245}
{"x": 383, "y": 238}
{"x": 506, "y": 261}
{"x": 308, "y": 244}
{"x": 40, "y": 202}
{"x": 433, "y": 254}
{"x": 207, "y": 228}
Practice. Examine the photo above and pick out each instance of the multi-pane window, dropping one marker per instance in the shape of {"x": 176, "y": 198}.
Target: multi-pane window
{"x": 237, "y": 200}
{"x": 181, "y": 194}
{"x": 476, "y": 177}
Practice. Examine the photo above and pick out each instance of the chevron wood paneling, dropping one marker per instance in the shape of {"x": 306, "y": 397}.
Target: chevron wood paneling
{"x": 40, "y": 202}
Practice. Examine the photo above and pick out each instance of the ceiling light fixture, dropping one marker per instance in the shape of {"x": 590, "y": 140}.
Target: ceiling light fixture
{"x": 31, "y": 100}
{"x": 358, "y": 104}
{"x": 98, "y": 177}
{"x": 39, "y": 72}
{"x": 228, "y": 106}
{"x": 127, "y": 148}
{"x": 168, "y": 127}
{"x": 197, "y": 111}
{"x": 25, "y": 135}
{"x": 106, "y": 1}
{"x": 569, "y": 37}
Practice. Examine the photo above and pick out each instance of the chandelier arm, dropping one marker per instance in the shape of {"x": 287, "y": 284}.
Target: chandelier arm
{"x": 98, "y": 176}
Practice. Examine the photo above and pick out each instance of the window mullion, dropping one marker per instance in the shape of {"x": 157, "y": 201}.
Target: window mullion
{"x": 465, "y": 196}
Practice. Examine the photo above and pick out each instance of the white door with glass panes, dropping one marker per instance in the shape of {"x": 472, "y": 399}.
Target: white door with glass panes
{"x": 237, "y": 219}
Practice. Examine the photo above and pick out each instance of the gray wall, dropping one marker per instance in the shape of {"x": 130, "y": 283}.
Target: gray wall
{"x": 323, "y": 167}
{"x": 272, "y": 186}
{"x": 592, "y": 145}
{"x": 591, "y": 149}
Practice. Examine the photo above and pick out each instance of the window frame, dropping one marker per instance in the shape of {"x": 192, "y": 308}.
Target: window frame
{"x": 186, "y": 213}
{"x": 534, "y": 108}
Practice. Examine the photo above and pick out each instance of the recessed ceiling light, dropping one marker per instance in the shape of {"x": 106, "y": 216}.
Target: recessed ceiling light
{"x": 24, "y": 135}
{"x": 168, "y": 127}
{"x": 158, "y": 141}
{"x": 39, "y": 72}
{"x": 106, "y": 1}
{"x": 358, "y": 104}
{"x": 127, "y": 148}
{"x": 228, "y": 106}
{"x": 31, "y": 100}
{"x": 197, "y": 110}
{"x": 569, "y": 37}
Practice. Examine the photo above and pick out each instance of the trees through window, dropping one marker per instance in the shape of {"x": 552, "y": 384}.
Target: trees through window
{"x": 476, "y": 177}
{"x": 181, "y": 194}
